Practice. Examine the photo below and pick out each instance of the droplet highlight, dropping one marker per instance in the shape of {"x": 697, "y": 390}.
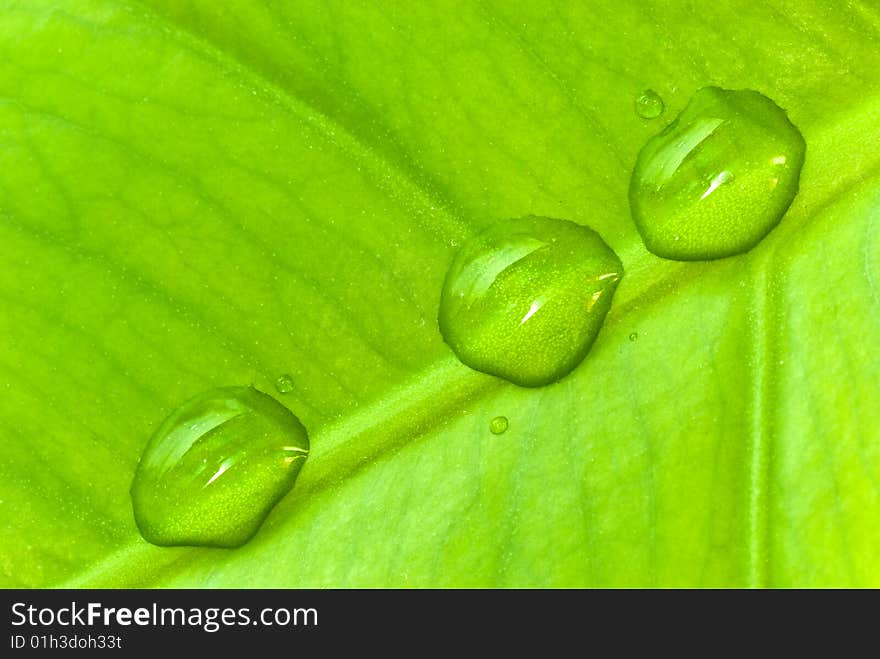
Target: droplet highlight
{"x": 215, "y": 467}
{"x": 649, "y": 105}
{"x": 284, "y": 384}
{"x": 526, "y": 298}
{"x": 634, "y": 336}
{"x": 498, "y": 425}
{"x": 717, "y": 179}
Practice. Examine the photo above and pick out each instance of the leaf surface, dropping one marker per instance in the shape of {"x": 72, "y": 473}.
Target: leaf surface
{"x": 193, "y": 197}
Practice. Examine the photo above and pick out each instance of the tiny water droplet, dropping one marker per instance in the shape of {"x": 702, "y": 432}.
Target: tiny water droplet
{"x": 215, "y": 468}
{"x": 634, "y": 336}
{"x": 526, "y": 298}
{"x": 498, "y": 425}
{"x": 718, "y": 178}
{"x": 284, "y": 384}
{"x": 649, "y": 105}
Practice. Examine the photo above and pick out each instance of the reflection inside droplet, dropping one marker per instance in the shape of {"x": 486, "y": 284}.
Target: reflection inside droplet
{"x": 717, "y": 182}
{"x": 532, "y": 310}
{"x": 593, "y": 299}
{"x": 218, "y": 473}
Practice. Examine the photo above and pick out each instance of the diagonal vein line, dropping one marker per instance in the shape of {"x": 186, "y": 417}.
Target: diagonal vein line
{"x": 760, "y": 438}
{"x": 428, "y": 207}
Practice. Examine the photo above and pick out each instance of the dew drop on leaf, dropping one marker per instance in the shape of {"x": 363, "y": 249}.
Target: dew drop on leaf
{"x": 717, "y": 179}
{"x": 215, "y": 467}
{"x": 526, "y": 298}
{"x": 498, "y": 425}
{"x": 649, "y": 105}
{"x": 284, "y": 384}
{"x": 634, "y": 336}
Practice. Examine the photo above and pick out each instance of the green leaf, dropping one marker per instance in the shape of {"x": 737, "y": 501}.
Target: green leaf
{"x": 194, "y": 196}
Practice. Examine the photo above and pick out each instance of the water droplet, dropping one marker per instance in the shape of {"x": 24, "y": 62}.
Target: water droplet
{"x": 649, "y": 105}
{"x": 717, "y": 179}
{"x": 634, "y": 336}
{"x": 215, "y": 468}
{"x": 284, "y": 384}
{"x": 498, "y": 425}
{"x": 525, "y": 298}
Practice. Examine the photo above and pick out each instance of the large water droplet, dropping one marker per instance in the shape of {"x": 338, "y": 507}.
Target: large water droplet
{"x": 649, "y": 105}
{"x": 717, "y": 179}
{"x": 215, "y": 468}
{"x": 525, "y": 298}
{"x": 498, "y": 425}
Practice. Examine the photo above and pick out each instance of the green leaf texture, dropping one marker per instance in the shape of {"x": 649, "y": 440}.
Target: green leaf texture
{"x": 195, "y": 196}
